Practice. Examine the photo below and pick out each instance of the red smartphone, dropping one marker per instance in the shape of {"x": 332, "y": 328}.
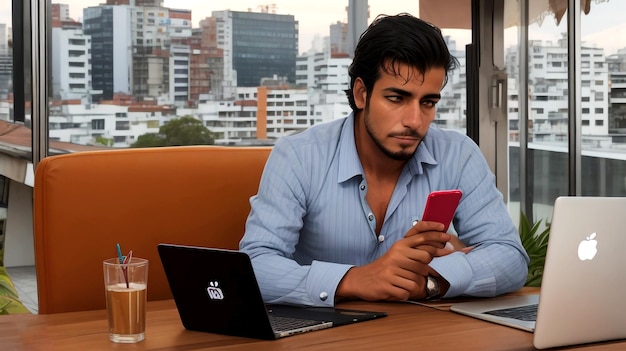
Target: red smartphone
{"x": 441, "y": 205}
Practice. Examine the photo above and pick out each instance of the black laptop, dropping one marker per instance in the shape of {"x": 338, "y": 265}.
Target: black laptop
{"x": 216, "y": 291}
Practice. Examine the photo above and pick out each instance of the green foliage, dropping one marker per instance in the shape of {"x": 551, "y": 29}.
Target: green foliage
{"x": 104, "y": 141}
{"x": 149, "y": 140}
{"x": 178, "y": 132}
{"x": 9, "y": 300}
{"x": 536, "y": 245}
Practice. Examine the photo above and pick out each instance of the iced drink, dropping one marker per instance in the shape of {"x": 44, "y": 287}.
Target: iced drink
{"x": 125, "y": 287}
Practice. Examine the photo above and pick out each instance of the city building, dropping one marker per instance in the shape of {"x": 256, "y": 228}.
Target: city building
{"x": 358, "y": 14}
{"x": 339, "y": 38}
{"x": 71, "y": 61}
{"x": 115, "y": 123}
{"x": 180, "y": 34}
{"x": 110, "y": 30}
{"x": 547, "y": 93}
{"x": 6, "y": 64}
{"x": 617, "y": 98}
{"x": 256, "y": 45}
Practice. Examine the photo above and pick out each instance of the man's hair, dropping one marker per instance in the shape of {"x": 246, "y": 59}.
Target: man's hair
{"x": 391, "y": 40}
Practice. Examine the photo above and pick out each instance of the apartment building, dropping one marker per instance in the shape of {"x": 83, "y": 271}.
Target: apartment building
{"x": 71, "y": 66}
{"x": 178, "y": 26}
{"x": 114, "y": 123}
{"x": 548, "y": 97}
{"x": 6, "y": 64}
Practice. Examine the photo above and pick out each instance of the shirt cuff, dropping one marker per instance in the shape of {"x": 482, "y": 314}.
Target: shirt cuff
{"x": 322, "y": 282}
{"x": 456, "y": 270}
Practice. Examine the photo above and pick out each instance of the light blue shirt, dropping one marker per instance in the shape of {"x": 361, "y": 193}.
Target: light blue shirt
{"x": 310, "y": 222}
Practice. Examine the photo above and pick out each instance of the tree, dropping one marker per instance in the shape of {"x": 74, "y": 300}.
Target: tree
{"x": 178, "y": 132}
{"x": 149, "y": 140}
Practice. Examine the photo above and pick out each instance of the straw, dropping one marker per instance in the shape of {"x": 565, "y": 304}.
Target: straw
{"x": 119, "y": 253}
{"x": 125, "y": 261}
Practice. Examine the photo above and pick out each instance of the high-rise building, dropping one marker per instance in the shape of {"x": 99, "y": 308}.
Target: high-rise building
{"x": 150, "y": 77}
{"x": 617, "y": 94}
{"x": 200, "y": 71}
{"x": 339, "y": 38}
{"x": 111, "y": 42}
{"x": 178, "y": 25}
{"x": 256, "y": 46}
{"x": 358, "y": 14}
{"x": 155, "y": 3}
{"x": 71, "y": 61}
{"x": 6, "y": 64}
{"x": 547, "y": 95}
{"x": 60, "y": 12}
{"x": 4, "y": 47}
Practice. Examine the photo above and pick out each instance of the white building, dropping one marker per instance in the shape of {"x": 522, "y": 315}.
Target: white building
{"x": 179, "y": 74}
{"x": 70, "y": 61}
{"x": 179, "y": 29}
{"x": 90, "y": 124}
{"x": 4, "y": 47}
{"x": 451, "y": 110}
{"x": 548, "y": 98}
{"x": 224, "y": 30}
{"x": 326, "y": 79}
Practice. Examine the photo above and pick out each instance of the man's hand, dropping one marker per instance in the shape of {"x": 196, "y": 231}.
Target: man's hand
{"x": 455, "y": 244}
{"x": 399, "y": 274}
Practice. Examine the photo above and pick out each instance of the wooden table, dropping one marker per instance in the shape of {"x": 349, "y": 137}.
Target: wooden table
{"x": 408, "y": 326}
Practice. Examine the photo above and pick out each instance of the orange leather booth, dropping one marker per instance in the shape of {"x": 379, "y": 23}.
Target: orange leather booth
{"x": 85, "y": 203}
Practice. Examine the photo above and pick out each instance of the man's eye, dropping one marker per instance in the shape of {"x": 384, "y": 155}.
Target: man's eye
{"x": 430, "y": 103}
{"x": 394, "y": 98}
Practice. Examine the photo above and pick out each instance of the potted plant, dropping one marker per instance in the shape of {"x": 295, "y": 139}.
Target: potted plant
{"x": 536, "y": 244}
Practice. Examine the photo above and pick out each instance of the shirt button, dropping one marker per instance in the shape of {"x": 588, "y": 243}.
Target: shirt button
{"x": 370, "y": 217}
{"x": 323, "y": 295}
{"x": 381, "y": 238}
{"x": 362, "y": 186}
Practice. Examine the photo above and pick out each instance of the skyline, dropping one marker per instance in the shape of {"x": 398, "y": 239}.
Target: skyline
{"x": 315, "y": 18}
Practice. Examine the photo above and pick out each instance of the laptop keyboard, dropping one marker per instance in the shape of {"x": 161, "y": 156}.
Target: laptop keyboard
{"x": 525, "y": 313}
{"x": 287, "y": 323}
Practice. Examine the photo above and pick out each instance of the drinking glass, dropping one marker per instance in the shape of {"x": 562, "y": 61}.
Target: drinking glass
{"x": 125, "y": 287}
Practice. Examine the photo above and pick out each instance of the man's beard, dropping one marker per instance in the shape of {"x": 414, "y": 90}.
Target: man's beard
{"x": 401, "y": 155}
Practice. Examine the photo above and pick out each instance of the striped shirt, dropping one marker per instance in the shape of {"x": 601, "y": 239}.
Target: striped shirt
{"x": 310, "y": 222}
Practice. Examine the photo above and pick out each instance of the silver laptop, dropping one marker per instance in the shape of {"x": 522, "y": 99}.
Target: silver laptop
{"x": 582, "y": 293}
{"x": 216, "y": 291}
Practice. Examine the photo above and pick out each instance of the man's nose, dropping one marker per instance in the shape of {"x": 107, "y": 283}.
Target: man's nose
{"x": 413, "y": 116}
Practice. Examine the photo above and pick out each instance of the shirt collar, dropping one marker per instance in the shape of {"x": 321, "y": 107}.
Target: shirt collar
{"x": 350, "y": 165}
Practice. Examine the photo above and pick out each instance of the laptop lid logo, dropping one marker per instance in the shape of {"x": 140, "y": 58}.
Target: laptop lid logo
{"x": 215, "y": 293}
{"x": 587, "y": 248}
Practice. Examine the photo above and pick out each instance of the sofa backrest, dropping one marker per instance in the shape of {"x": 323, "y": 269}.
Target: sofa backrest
{"x": 85, "y": 203}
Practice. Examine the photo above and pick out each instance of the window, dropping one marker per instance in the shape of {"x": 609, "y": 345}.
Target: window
{"x": 97, "y": 124}
{"x": 547, "y": 154}
{"x": 122, "y": 125}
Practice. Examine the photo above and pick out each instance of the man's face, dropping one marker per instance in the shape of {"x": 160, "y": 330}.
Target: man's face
{"x": 400, "y": 108}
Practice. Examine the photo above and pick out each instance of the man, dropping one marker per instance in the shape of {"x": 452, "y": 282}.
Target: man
{"x": 333, "y": 217}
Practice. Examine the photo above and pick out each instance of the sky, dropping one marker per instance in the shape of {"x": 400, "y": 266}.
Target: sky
{"x": 605, "y": 26}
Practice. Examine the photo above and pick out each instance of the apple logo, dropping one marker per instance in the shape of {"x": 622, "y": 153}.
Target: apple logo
{"x": 587, "y": 248}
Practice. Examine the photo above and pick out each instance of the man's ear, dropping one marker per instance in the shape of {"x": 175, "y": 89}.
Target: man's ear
{"x": 360, "y": 93}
